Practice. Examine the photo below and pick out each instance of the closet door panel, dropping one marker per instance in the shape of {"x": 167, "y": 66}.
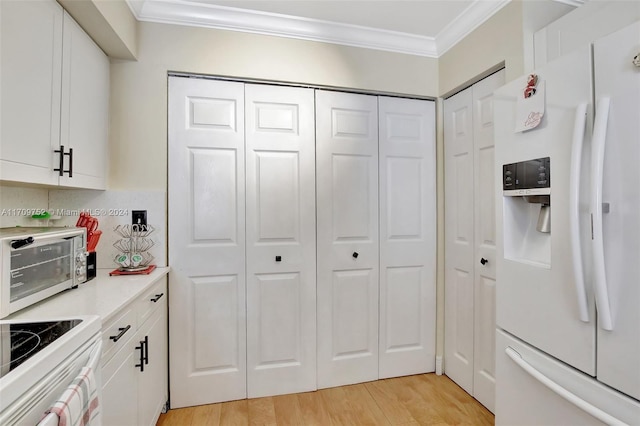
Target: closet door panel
{"x": 459, "y": 239}
{"x": 206, "y": 235}
{"x": 484, "y": 240}
{"x": 407, "y": 236}
{"x": 281, "y": 246}
{"x": 347, "y": 185}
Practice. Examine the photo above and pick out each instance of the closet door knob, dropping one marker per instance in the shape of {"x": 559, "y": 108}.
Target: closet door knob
{"x": 355, "y": 254}
{"x": 278, "y": 258}
{"x": 483, "y": 261}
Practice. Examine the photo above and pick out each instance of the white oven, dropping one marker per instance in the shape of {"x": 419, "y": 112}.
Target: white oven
{"x": 39, "y": 360}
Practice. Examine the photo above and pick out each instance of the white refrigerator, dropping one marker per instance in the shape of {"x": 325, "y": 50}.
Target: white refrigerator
{"x": 568, "y": 239}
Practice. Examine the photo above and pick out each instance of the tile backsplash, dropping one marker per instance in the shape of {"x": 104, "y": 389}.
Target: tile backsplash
{"x": 17, "y": 204}
{"x": 111, "y": 208}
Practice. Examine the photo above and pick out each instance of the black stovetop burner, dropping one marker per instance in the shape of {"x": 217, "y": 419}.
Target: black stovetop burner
{"x": 20, "y": 341}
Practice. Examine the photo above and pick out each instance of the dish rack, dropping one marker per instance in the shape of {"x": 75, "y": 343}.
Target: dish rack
{"x": 134, "y": 247}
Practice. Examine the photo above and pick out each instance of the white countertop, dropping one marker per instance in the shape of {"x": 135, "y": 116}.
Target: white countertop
{"x": 103, "y": 296}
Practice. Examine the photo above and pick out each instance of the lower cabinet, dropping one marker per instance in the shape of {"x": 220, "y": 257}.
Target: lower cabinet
{"x": 134, "y": 369}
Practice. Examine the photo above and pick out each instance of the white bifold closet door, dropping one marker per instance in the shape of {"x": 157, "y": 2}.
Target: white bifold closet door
{"x": 242, "y": 302}
{"x": 470, "y": 275}
{"x": 376, "y": 237}
{"x": 347, "y": 215}
{"x": 281, "y": 240}
{"x": 207, "y": 326}
{"x": 407, "y": 237}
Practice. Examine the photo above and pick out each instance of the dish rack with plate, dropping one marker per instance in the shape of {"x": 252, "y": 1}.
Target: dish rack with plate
{"x": 134, "y": 247}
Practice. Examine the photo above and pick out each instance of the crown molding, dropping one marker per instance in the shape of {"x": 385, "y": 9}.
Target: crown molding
{"x": 228, "y": 18}
{"x": 470, "y": 19}
{"x": 574, "y": 3}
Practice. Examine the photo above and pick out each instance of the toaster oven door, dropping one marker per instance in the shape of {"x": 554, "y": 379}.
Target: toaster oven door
{"x": 39, "y": 270}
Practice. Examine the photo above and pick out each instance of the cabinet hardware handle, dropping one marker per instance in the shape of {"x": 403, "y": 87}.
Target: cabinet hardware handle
{"x": 70, "y": 154}
{"x": 278, "y": 258}
{"x": 355, "y": 255}
{"x": 122, "y": 330}
{"x": 158, "y": 296}
{"x": 483, "y": 261}
{"x": 141, "y": 348}
{"x": 60, "y": 168}
{"x": 146, "y": 350}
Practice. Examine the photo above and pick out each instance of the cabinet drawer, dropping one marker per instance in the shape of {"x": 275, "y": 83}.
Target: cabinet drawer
{"x": 151, "y": 300}
{"x": 117, "y": 332}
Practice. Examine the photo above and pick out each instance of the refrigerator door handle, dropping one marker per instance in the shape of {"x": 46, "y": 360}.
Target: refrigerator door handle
{"x": 562, "y": 392}
{"x": 574, "y": 209}
{"x": 597, "y": 168}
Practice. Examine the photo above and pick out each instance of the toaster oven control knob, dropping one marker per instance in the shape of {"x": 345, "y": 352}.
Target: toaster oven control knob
{"x": 79, "y": 272}
{"x": 81, "y": 257}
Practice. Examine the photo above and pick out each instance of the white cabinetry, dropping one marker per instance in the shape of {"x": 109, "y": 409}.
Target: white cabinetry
{"x": 470, "y": 239}
{"x": 134, "y": 370}
{"x": 54, "y": 91}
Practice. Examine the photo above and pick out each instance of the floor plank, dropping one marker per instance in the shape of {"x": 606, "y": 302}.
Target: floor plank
{"x": 262, "y": 412}
{"x": 424, "y": 399}
{"x": 313, "y": 409}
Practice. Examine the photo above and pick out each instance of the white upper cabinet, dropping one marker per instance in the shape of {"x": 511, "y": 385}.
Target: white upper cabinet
{"x": 84, "y": 124}
{"x": 54, "y": 91}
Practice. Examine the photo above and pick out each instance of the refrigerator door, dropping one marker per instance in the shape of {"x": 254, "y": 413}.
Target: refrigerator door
{"x": 536, "y": 293}
{"x": 536, "y": 389}
{"x": 618, "y": 80}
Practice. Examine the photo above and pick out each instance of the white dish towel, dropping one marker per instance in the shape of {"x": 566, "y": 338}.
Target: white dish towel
{"x": 78, "y": 405}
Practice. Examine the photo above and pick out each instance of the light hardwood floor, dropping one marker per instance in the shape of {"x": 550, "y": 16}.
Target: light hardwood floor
{"x": 424, "y": 399}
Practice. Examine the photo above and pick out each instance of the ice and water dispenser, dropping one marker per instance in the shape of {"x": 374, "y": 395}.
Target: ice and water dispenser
{"x": 527, "y": 223}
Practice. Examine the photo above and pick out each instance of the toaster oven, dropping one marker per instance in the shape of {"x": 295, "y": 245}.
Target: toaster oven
{"x": 36, "y": 263}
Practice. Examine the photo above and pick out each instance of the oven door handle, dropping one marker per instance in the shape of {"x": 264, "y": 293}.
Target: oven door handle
{"x": 94, "y": 356}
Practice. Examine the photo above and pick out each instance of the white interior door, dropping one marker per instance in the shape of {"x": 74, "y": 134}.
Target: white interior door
{"x": 347, "y": 235}
{"x": 407, "y": 236}
{"x": 281, "y": 240}
{"x": 206, "y": 241}
{"x": 484, "y": 240}
{"x": 470, "y": 248}
{"x": 619, "y": 80}
{"x": 459, "y": 238}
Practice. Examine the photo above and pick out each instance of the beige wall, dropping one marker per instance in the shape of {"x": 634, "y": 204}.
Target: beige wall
{"x": 499, "y": 40}
{"x": 139, "y": 89}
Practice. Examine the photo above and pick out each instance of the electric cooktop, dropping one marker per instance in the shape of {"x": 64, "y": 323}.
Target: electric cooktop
{"x": 21, "y": 341}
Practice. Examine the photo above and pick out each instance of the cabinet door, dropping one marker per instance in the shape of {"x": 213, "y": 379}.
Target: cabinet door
{"x": 152, "y": 383}
{"x": 347, "y": 185}
{"x": 119, "y": 404}
{"x": 407, "y": 236}
{"x": 281, "y": 240}
{"x": 30, "y": 76}
{"x": 206, "y": 241}
{"x": 459, "y": 249}
{"x": 85, "y": 108}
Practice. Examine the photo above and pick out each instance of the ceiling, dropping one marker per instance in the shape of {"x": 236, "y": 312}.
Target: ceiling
{"x": 419, "y": 27}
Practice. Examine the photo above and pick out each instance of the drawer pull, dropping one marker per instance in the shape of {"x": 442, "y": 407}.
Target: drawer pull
{"x": 158, "y": 296}
{"x": 122, "y": 331}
